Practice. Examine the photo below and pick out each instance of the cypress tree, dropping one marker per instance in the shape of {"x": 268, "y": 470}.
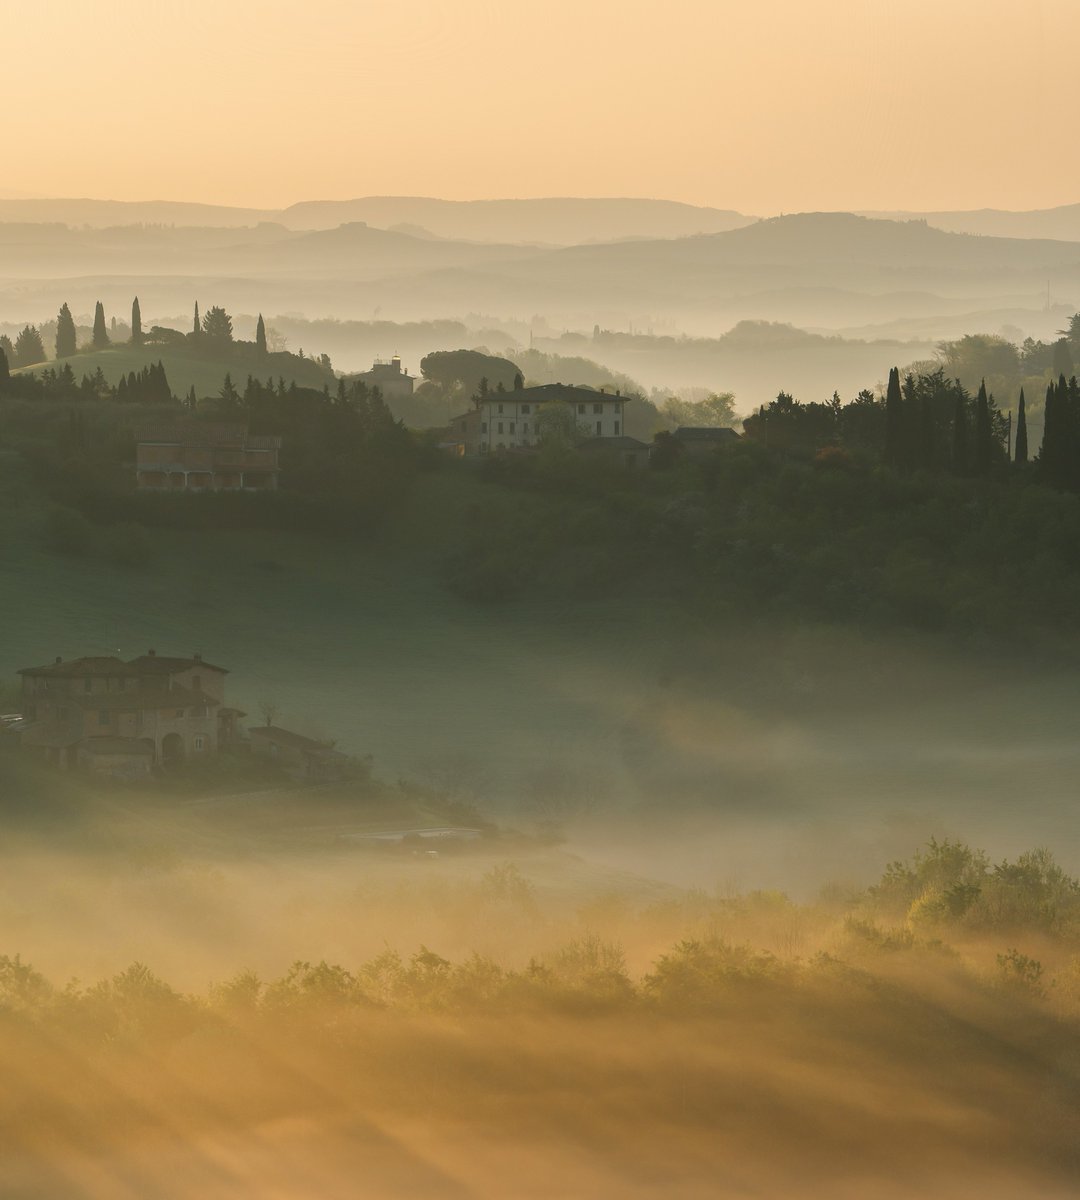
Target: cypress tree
{"x": 260, "y": 336}
{"x": 197, "y": 330}
{"x": 894, "y": 420}
{"x": 5, "y": 370}
{"x": 984, "y": 436}
{"x": 1021, "y": 432}
{"x": 101, "y": 334}
{"x": 136, "y": 322}
{"x": 65, "y": 333}
{"x": 960, "y": 434}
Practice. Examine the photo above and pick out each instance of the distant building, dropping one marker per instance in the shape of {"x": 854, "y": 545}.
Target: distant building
{"x": 627, "y": 450}
{"x": 123, "y": 718}
{"x": 199, "y": 456}
{"x": 302, "y": 757}
{"x": 508, "y": 420}
{"x": 392, "y": 381}
{"x": 699, "y": 441}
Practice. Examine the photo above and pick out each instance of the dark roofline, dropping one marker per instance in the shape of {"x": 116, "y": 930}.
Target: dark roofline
{"x": 163, "y": 664}
{"x": 105, "y": 665}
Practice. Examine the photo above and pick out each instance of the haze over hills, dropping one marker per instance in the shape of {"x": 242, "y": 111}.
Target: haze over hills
{"x": 872, "y": 279}
{"x": 556, "y": 221}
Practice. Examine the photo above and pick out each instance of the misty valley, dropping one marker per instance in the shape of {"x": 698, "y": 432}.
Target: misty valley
{"x": 538, "y": 698}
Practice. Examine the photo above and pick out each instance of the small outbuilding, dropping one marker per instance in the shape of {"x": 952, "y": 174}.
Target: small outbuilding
{"x": 302, "y": 757}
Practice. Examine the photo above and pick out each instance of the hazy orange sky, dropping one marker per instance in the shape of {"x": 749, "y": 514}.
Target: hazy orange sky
{"x": 764, "y": 105}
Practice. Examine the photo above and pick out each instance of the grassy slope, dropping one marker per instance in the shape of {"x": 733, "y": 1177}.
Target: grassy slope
{"x": 827, "y": 737}
{"x": 185, "y": 369}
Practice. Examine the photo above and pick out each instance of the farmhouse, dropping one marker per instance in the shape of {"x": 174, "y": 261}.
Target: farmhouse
{"x": 516, "y": 420}
{"x": 201, "y": 456}
{"x": 393, "y": 382}
{"x": 123, "y": 718}
{"x": 700, "y": 441}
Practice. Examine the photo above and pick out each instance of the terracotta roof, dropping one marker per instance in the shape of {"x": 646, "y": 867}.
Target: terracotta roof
{"x": 148, "y": 700}
{"x": 704, "y": 433}
{"x": 83, "y": 667}
{"x": 160, "y": 664}
{"x": 554, "y": 391}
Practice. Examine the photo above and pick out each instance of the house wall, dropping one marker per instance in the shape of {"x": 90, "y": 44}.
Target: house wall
{"x": 507, "y": 423}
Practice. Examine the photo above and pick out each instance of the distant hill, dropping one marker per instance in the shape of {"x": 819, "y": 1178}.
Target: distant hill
{"x": 1062, "y": 223}
{"x": 559, "y": 221}
{"x": 556, "y": 220}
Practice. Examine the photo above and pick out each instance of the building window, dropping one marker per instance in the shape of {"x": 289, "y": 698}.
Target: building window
{"x": 598, "y": 408}
{"x": 618, "y": 408}
{"x": 483, "y": 426}
{"x": 616, "y": 428}
{"x": 581, "y": 409}
{"x": 179, "y": 712}
{"x": 599, "y": 428}
{"x": 525, "y": 427}
{"x": 524, "y": 408}
{"x": 512, "y": 426}
{"x": 500, "y": 410}
{"x": 200, "y": 743}
{"x": 500, "y": 429}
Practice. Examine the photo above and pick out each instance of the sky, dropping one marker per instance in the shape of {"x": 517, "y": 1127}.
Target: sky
{"x": 765, "y": 106}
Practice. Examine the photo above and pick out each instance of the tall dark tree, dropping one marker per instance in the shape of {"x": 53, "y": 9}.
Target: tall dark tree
{"x": 894, "y": 421}
{"x": 1063, "y": 359}
{"x": 7, "y": 346}
{"x": 1021, "y": 432}
{"x": 29, "y": 348}
{"x": 101, "y": 334}
{"x": 5, "y": 371}
{"x": 984, "y": 435}
{"x": 136, "y": 322}
{"x": 260, "y": 335}
{"x": 960, "y": 437}
{"x": 65, "y": 333}
{"x": 197, "y": 330}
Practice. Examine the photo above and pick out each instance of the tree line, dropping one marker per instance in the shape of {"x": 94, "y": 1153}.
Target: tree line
{"x": 215, "y": 328}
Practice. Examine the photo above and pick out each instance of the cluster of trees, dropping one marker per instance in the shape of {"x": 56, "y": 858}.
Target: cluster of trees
{"x": 1059, "y": 458}
{"x": 927, "y": 422}
{"x": 215, "y": 328}
{"x": 149, "y": 385}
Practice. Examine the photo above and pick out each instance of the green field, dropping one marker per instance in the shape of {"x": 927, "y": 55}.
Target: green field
{"x": 186, "y": 368}
{"x": 572, "y": 709}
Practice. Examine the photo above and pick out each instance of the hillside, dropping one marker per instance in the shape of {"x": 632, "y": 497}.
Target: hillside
{"x": 1061, "y": 223}
{"x": 186, "y": 368}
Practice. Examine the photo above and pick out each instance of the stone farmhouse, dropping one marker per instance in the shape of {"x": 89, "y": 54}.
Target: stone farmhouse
{"x": 124, "y": 718}
{"x": 202, "y": 456}
{"x": 508, "y": 420}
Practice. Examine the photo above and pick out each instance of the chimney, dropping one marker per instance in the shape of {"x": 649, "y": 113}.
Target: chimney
{"x": 151, "y": 653}
{"x": 59, "y": 660}
{"x": 198, "y": 657}
{"x": 618, "y": 392}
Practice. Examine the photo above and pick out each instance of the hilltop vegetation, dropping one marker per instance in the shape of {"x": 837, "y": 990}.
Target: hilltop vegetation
{"x": 780, "y": 1046}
